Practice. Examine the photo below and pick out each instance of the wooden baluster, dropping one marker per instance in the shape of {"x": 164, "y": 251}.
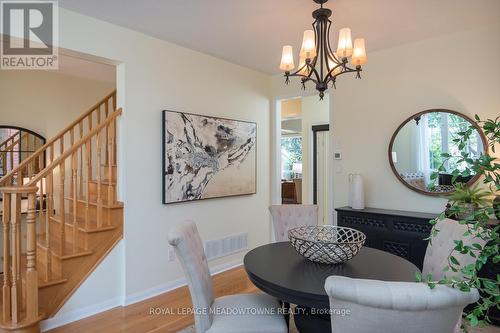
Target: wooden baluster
{"x": 43, "y": 202}
{"x": 6, "y": 257}
{"x": 51, "y": 153}
{"x": 98, "y": 115}
{"x": 89, "y": 177}
{"x": 30, "y": 171}
{"x": 42, "y": 198}
{"x": 98, "y": 122}
{"x": 72, "y": 136}
{"x": 11, "y": 154}
{"x": 31, "y": 272}
{"x": 89, "y": 118}
{"x": 106, "y": 108}
{"x": 90, "y": 146}
{"x": 62, "y": 211}
{"x": 80, "y": 126}
{"x": 15, "y": 289}
{"x": 61, "y": 145}
{"x": 32, "y": 145}
{"x": 106, "y": 111}
{"x": 114, "y": 100}
{"x": 40, "y": 162}
{"x": 50, "y": 212}
{"x": 109, "y": 157}
{"x": 113, "y": 139}
{"x": 4, "y": 163}
{"x": 99, "y": 178}
{"x": 74, "y": 184}
{"x": 18, "y": 175}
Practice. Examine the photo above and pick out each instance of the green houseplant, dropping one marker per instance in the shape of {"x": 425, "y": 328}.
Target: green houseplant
{"x": 478, "y": 222}
{"x": 465, "y": 200}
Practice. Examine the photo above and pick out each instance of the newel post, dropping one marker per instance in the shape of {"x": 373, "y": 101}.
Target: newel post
{"x": 12, "y": 302}
{"x": 31, "y": 271}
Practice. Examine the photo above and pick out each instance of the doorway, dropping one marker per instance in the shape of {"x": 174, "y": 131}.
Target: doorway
{"x": 291, "y": 144}
{"x": 302, "y": 152}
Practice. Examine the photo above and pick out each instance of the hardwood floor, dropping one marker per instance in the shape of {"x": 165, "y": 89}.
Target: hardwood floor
{"x": 162, "y": 314}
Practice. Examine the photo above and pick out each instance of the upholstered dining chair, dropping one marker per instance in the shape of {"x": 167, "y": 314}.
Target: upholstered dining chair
{"x": 372, "y": 306}
{"x": 286, "y": 217}
{"x": 438, "y": 251}
{"x": 225, "y": 314}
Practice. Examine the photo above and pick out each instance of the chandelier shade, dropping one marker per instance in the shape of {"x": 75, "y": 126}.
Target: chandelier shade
{"x": 317, "y": 62}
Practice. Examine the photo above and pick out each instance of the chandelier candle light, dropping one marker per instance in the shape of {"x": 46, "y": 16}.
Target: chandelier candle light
{"x": 317, "y": 62}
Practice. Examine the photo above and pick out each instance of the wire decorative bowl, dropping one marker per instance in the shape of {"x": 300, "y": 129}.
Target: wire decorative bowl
{"x": 326, "y": 244}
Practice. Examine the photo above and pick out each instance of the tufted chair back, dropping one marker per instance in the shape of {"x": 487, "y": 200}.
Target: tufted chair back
{"x": 436, "y": 256}
{"x": 286, "y": 217}
{"x": 189, "y": 249}
{"x": 394, "y": 307}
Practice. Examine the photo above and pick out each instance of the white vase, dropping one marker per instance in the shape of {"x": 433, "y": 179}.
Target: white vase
{"x": 356, "y": 192}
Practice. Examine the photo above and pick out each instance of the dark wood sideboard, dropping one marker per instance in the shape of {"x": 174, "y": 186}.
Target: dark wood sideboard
{"x": 399, "y": 232}
{"x": 402, "y": 233}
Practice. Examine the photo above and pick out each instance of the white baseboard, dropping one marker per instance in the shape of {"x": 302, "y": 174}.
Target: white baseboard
{"x": 171, "y": 285}
{"x": 71, "y": 316}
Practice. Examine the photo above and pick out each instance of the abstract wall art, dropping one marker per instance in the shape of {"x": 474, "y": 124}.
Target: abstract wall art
{"x": 207, "y": 157}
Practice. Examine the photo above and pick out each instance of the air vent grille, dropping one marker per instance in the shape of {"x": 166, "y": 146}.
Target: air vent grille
{"x": 225, "y": 246}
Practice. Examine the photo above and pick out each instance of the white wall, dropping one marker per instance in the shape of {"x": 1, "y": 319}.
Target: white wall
{"x": 87, "y": 300}
{"x": 398, "y": 82}
{"x": 443, "y": 72}
{"x": 46, "y": 101}
{"x": 314, "y": 112}
{"x": 154, "y": 75}
{"x": 457, "y": 72}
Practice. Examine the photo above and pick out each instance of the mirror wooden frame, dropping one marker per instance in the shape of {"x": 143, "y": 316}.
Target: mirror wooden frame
{"x": 416, "y": 115}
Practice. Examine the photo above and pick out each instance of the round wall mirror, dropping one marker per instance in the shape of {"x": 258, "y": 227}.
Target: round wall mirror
{"x": 416, "y": 147}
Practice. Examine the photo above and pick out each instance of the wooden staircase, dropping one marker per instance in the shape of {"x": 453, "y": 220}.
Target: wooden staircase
{"x": 71, "y": 221}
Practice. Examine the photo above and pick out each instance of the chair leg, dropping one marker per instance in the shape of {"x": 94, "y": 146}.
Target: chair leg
{"x": 286, "y": 310}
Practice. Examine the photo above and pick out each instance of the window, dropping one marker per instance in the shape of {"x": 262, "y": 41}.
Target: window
{"x": 291, "y": 152}
{"x": 444, "y": 128}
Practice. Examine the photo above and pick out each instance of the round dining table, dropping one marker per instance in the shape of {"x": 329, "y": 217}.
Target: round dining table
{"x": 280, "y": 271}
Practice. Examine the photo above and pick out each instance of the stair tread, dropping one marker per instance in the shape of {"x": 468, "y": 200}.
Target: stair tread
{"x": 52, "y": 282}
{"x": 54, "y": 279}
{"x": 80, "y": 223}
{"x": 67, "y": 252}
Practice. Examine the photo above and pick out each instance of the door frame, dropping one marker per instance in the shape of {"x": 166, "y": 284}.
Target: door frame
{"x": 275, "y": 197}
{"x": 315, "y": 130}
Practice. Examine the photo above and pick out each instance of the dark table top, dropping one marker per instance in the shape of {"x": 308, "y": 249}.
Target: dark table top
{"x": 278, "y": 270}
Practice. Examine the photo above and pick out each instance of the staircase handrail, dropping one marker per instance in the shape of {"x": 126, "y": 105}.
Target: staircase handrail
{"x": 58, "y": 136}
{"x": 35, "y": 179}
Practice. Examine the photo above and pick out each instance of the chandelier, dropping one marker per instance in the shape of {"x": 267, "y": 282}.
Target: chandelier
{"x": 317, "y": 62}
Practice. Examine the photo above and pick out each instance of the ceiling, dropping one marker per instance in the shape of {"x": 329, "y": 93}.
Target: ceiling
{"x": 71, "y": 64}
{"x": 251, "y": 33}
